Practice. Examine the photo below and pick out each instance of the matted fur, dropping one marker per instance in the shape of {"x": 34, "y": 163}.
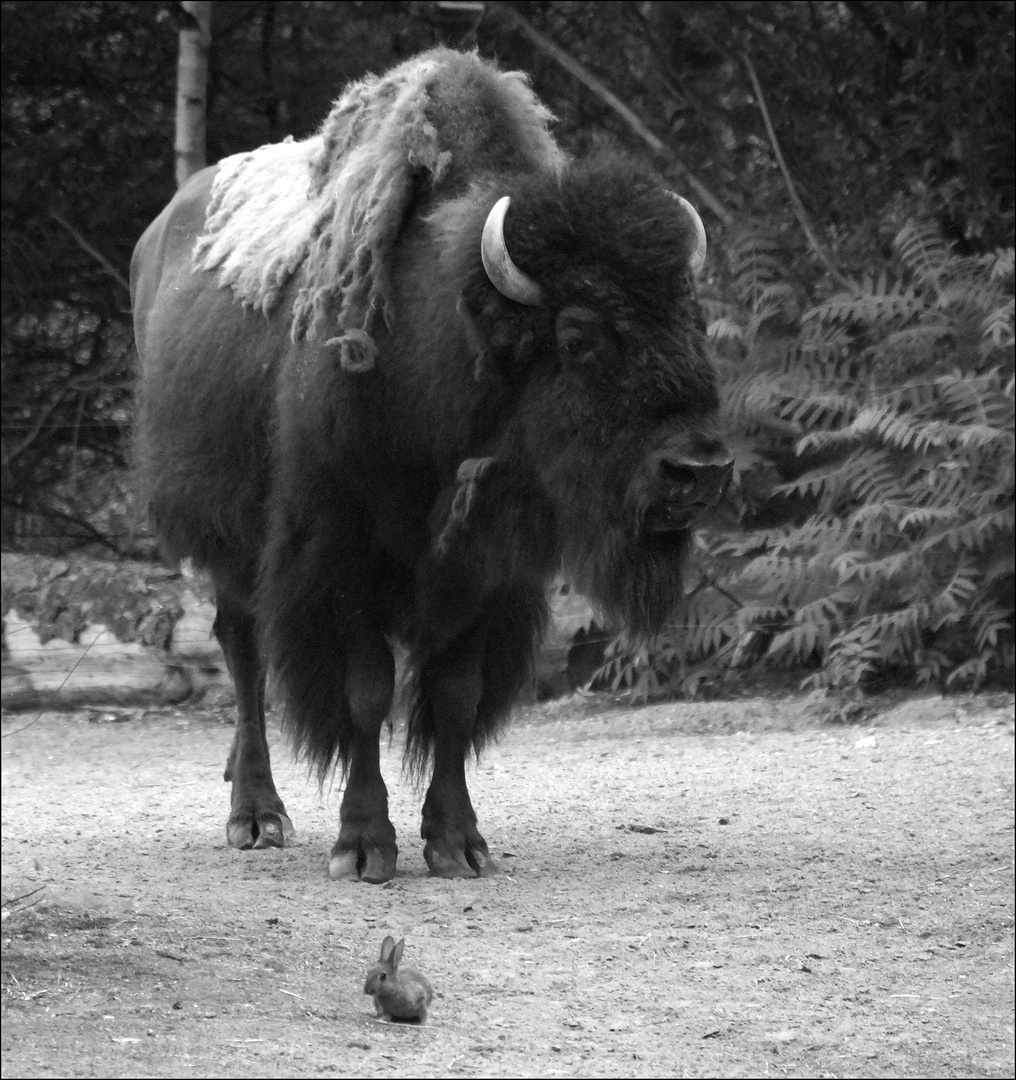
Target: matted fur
{"x": 333, "y": 205}
{"x": 261, "y": 220}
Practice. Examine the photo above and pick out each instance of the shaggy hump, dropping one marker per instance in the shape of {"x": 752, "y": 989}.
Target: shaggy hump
{"x": 332, "y": 206}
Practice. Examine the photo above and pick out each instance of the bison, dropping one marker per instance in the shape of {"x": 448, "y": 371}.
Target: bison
{"x": 393, "y": 378}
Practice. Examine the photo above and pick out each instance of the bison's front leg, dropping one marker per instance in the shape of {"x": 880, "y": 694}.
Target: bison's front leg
{"x": 452, "y": 687}
{"x": 257, "y": 817}
{"x": 366, "y": 848}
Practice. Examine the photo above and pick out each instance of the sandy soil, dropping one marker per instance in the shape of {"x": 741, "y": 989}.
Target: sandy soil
{"x": 721, "y": 889}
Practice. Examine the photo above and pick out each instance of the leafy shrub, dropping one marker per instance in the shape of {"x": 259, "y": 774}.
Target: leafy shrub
{"x": 874, "y": 437}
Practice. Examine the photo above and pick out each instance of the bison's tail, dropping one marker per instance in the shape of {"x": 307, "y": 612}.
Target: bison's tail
{"x": 514, "y": 628}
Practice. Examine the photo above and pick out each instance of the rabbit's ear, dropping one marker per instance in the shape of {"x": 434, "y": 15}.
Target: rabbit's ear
{"x": 397, "y": 956}
{"x": 386, "y": 949}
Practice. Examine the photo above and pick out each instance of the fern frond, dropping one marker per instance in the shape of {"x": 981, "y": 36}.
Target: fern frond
{"x": 919, "y": 339}
{"x": 752, "y": 616}
{"x": 850, "y": 567}
{"x": 824, "y": 483}
{"x": 755, "y": 261}
{"x": 923, "y": 251}
{"x": 1002, "y": 265}
{"x": 894, "y": 548}
{"x": 968, "y": 398}
{"x": 992, "y": 626}
{"x": 972, "y": 673}
{"x": 794, "y": 646}
{"x": 872, "y": 475}
{"x": 774, "y": 298}
{"x": 875, "y": 301}
{"x": 827, "y": 408}
{"x": 953, "y": 600}
{"x": 997, "y": 325}
{"x": 725, "y": 329}
{"x": 924, "y": 517}
{"x": 975, "y": 535}
{"x": 982, "y": 437}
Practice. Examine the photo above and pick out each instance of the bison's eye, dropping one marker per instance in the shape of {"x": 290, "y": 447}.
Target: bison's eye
{"x": 573, "y": 342}
{"x": 581, "y": 333}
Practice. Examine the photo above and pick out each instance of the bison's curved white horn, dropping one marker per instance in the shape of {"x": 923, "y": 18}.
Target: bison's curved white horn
{"x": 698, "y": 256}
{"x": 504, "y": 275}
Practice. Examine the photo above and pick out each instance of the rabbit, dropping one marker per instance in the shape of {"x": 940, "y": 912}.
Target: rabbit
{"x": 399, "y": 993}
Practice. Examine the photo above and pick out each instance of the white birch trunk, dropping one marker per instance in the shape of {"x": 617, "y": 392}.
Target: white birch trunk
{"x": 191, "y": 91}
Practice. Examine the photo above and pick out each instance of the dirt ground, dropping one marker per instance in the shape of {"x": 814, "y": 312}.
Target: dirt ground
{"x": 717, "y": 889}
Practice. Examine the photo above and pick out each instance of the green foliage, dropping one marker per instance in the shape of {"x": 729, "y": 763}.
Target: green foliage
{"x": 874, "y": 436}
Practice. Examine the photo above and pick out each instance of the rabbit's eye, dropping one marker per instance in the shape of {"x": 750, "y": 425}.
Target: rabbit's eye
{"x": 383, "y": 976}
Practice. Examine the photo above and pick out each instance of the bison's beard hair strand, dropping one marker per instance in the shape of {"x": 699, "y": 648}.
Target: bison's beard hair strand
{"x": 635, "y": 586}
{"x": 514, "y": 628}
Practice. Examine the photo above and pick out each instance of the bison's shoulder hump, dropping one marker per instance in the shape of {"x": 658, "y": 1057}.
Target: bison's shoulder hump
{"x": 333, "y": 206}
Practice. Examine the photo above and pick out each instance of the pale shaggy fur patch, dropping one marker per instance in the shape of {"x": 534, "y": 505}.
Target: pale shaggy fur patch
{"x": 260, "y": 220}
{"x": 332, "y": 206}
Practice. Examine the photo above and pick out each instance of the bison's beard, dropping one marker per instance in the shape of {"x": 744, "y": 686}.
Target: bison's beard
{"x": 636, "y": 582}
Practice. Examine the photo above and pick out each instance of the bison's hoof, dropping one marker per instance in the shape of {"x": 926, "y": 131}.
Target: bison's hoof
{"x": 375, "y": 865}
{"x": 447, "y": 862}
{"x": 264, "y": 832}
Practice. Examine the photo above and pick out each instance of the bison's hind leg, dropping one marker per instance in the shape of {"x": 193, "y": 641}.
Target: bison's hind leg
{"x": 257, "y": 817}
{"x": 325, "y": 640}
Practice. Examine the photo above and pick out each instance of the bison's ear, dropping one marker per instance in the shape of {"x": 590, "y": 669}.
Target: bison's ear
{"x": 501, "y": 334}
{"x": 477, "y": 344}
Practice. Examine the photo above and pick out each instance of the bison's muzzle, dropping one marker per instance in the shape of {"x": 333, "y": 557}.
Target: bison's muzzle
{"x": 682, "y": 481}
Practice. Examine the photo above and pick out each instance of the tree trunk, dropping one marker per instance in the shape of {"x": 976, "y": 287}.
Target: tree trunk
{"x": 192, "y": 88}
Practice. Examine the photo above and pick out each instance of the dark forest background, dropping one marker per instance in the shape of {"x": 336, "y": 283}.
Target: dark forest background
{"x": 853, "y": 163}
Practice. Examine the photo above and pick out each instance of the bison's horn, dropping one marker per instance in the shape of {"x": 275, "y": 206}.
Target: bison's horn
{"x": 698, "y": 256}
{"x": 505, "y": 276}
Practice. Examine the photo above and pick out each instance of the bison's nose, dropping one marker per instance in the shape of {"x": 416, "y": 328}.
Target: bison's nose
{"x": 695, "y": 483}
{"x": 687, "y": 478}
